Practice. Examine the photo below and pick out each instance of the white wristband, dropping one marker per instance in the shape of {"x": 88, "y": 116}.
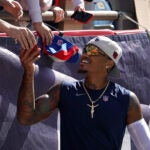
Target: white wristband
{"x": 34, "y": 10}
{"x": 140, "y": 134}
{"x": 46, "y": 5}
{"x": 77, "y": 2}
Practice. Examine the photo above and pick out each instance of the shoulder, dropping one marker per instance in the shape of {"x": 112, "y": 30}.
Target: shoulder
{"x": 73, "y": 83}
{"x": 133, "y": 105}
{"x": 120, "y": 89}
{"x": 64, "y": 85}
{"x": 134, "y": 101}
{"x": 134, "y": 109}
{"x": 70, "y": 85}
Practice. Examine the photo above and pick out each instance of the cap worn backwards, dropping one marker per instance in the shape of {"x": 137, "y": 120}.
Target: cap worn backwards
{"x": 110, "y": 48}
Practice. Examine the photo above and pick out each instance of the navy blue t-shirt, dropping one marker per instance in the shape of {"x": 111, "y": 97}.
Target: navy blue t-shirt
{"x": 106, "y": 130}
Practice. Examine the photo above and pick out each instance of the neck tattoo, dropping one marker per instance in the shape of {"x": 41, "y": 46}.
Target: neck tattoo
{"x": 93, "y": 104}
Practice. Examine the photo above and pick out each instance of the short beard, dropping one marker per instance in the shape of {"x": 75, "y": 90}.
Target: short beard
{"x": 82, "y": 71}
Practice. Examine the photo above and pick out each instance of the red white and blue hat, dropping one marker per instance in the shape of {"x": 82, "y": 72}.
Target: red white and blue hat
{"x": 62, "y": 50}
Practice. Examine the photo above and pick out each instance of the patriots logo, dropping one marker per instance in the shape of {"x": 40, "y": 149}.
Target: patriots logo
{"x": 115, "y": 54}
{"x": 105, "y": 98}
{"x": 60, "y": 42}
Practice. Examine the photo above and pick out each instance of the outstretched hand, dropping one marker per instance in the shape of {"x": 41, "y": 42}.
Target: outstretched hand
{"x": 44, "y": 31}
{"x": 23, "y": 35}
{"x": 28, "y": 58}
{"x": 13, "y": 7}
{"x": 59, "y": 13}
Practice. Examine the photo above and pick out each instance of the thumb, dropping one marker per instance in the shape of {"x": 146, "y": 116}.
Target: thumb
{"x": 10, "y": 4}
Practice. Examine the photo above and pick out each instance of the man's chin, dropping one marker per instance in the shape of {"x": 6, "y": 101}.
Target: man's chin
{"x": 82, "y": 71}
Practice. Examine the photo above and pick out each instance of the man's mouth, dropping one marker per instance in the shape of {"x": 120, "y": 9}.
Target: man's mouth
{"x": 86, "y": 61}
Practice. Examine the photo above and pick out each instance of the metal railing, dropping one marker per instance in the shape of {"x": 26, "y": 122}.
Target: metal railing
{"x": 97, "y": 15}
{"x": 49, "y": 15}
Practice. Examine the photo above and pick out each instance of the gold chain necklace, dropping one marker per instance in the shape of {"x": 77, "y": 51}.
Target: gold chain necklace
{"x": 93, "y": 106}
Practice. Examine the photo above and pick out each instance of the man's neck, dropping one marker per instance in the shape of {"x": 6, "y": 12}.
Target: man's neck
{"x": 95, "y": 83}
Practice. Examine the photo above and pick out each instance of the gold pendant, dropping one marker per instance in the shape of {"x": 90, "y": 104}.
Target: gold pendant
{"x": 92, "y": 106}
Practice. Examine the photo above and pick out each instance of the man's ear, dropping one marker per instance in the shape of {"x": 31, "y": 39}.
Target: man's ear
{"x": 110, "y": 64}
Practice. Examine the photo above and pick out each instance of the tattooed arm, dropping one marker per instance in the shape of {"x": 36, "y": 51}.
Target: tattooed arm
{"x": 29, "y": 109}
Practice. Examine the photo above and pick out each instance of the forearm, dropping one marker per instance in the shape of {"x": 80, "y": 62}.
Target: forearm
{"x": 140, "y": 134}
{"x": 146, "y": 112}
{"x": 8, "y": 28}
{"x": 26, "y": 99}
{"x": 5, "y": 26}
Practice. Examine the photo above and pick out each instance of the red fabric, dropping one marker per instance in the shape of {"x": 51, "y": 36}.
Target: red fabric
{"x": 57, "y": 3}
{"x": 62, "y": 54}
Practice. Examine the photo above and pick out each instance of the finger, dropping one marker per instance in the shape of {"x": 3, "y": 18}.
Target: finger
{"x": 33, "y": 59}
{"x": 49, "y": 38}
{"x": 27, "y": 63}
{"x": 23, "y": 42}
{"x": 59, "y": 18}
{"x": 10, "y": 4}
{"x": 29, "y": 55}
{"x": 56, "y": 19}
{"x": 17, "y": 5}
{"x": 24, "y": 54}
{"x": 27, "y": 39}
{"x": 31, "y": 40}
{"x": 45, "y": 33}
{"x": 34, "y": 55}
{"x": 27, "y": 52}
{"x": 18, "y": 9}
{"x": 59, "y": 15}
{"x": 44, "y": 39}
{"x": 19, "y": 15}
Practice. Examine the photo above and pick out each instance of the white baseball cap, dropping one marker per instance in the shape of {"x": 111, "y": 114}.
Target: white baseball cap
{"x": 110, "y": 48}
